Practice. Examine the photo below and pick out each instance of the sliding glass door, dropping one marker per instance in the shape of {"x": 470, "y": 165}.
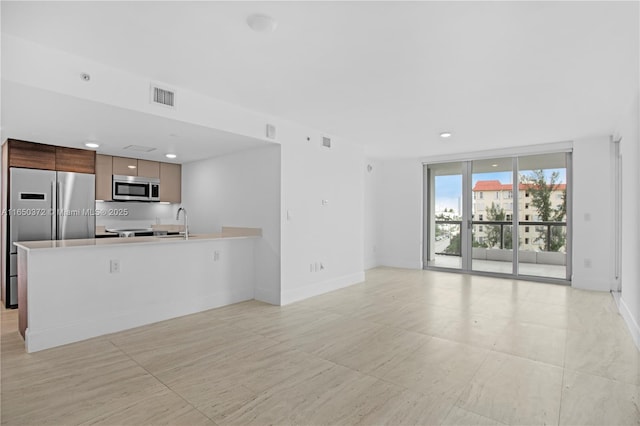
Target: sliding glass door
{"x": 543, "y": 219}
{"x": 505, "y": 216}
{"x": 492, "y": 199}
{"x": 445, "y": 215}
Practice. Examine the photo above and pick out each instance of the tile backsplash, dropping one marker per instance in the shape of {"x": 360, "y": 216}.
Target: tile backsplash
{"x": 134, "y": 214}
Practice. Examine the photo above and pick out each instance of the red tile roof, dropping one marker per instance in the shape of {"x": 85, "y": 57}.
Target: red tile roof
{"x": 495, "y": 185}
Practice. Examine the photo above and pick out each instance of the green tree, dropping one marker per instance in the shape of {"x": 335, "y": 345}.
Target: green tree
{"x": 454, "y": 245}
{"x": 495, "y": 213}
{"x": 541, "y": 190}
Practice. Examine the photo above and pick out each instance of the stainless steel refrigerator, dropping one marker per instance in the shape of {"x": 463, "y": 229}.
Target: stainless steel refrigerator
{"x": 47, "y": 205}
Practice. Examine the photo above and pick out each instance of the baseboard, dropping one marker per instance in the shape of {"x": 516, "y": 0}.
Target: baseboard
{"x": 267, "y": 296}
{"x": 400, "y": 263}
{"x": 370, "y": 264}
{"x": 70, "y": 333}
{"x": 590, "y": 284}
{"x": 319, "y": 288}
{"x": 632, "y": 324}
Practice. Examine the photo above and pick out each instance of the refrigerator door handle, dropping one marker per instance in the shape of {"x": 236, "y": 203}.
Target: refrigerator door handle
{"x": 53, "y": 210}
{"x": 59, "y": 217}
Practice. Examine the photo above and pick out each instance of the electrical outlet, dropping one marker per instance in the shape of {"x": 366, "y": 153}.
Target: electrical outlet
{"x": 114, "y": 266}
{"x": 216, "y": 256}
{"x": 587, "y": 263}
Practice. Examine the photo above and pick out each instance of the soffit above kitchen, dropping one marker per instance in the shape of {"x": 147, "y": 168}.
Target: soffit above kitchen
{"x": 389, "y": 75}
{"x": 38, "y": 115}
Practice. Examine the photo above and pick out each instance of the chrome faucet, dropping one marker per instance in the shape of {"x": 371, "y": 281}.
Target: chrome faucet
{"x": 186, "y": 221}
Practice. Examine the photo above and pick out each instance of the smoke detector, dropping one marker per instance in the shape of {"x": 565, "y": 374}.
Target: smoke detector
{"x": 262, "y": 23}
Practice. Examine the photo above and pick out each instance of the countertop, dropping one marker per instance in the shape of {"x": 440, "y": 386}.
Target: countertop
{"x": 227, "y": 233}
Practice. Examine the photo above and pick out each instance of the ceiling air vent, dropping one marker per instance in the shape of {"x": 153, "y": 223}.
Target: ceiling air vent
{"x": 326, "y": 142}
{"x": 162, "y": 96}
{"x": 139, "y": 148}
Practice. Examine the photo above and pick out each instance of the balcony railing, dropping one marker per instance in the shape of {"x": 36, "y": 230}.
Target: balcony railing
{"x": 450, "y": 233}
{"x": 501, "y": 224}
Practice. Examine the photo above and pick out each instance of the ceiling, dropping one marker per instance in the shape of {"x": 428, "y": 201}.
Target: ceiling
{"x": 388, "y": 75}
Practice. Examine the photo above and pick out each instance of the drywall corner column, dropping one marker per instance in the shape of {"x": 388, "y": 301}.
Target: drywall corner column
{"x": 592, "y": 214}
{"x": 322, "y": 213}
{"x": 400, "y": 194}
{"x": 240, "y": 189}
{"x": 630, "y": 275}
{"x": 372, "y": 214}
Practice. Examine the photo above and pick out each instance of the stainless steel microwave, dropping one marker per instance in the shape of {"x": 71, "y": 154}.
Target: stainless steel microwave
{"x": 135, "y": 188}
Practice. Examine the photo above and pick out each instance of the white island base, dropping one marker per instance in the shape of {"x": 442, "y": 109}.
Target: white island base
{"x": 68, "y": 291}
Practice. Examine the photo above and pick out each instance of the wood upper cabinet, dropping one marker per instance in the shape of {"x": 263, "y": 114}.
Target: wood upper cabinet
{"x": 75, "y": 160}
{"x": 149, "y": 169}
{"x": 170, "y": 182}
{"x": 31, "y": 155}
{"x": 125, "y": 166}
{"x": 104, "y": 172}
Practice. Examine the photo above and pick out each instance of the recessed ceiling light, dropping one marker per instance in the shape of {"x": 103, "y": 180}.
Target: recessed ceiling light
{"x": 170, "y": 155}
{"x": 131, "y": 167}
{"x": 91, "y": 145}
{"x": 262, "y": 23}
{"x": 494, "y": 165}
{"x": 445, "y": 134}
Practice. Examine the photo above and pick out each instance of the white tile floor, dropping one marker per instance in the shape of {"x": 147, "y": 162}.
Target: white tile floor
{"x": 404, "y": 347}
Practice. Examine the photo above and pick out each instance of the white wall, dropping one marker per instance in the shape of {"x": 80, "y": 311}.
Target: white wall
{"x": 240, "y": 189}
{"x": 399, "y": 220}
{"x": 372, "y": 212}
{"x": 332, "y": 234}
{"x": 399, "y": 217}
{"x": 329, "y": 232}
{"x": 593, "y": 214}
{"x": 630, "y": 275}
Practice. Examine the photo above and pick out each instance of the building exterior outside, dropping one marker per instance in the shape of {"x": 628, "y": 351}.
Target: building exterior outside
{"x": 493, "y": 202}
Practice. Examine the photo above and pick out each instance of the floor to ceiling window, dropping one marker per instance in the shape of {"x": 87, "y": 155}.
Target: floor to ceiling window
{"x": 477, "y": 211}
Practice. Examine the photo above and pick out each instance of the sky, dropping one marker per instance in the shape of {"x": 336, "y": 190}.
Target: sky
{"x": 449, "y": 188}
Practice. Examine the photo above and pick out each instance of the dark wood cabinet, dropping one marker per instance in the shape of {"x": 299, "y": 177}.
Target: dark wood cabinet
{"x": 31, "y": 155}
{"x": 75, "y": 160}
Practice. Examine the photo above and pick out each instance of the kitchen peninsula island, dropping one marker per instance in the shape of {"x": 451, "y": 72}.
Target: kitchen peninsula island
{"x": 72, "y": 290}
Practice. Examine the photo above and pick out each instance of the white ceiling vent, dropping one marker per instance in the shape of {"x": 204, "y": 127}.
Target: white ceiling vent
{"x": 163, "y": 96}
{"x": 326, "y": 142}
{"x": 139, "y": 148}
